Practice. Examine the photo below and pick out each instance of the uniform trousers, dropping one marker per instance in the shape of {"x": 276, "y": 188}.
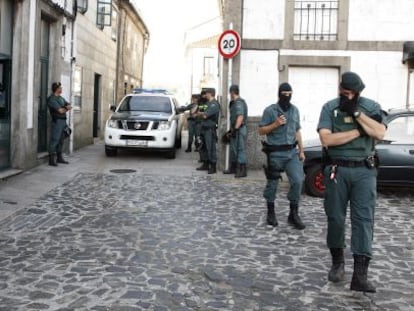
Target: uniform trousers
{"x": 56, "y": 136}
{"x": 289, "y": 162}
{"x": 356, "y": 185}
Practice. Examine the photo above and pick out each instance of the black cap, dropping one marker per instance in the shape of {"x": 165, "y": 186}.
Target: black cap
{"x": 351, "y": 81}
{"x": 234, "y": 89}
{"x": 211, "y": 90}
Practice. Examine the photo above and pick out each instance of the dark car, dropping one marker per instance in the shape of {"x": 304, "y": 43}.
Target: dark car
{"x": 395, "y": 153}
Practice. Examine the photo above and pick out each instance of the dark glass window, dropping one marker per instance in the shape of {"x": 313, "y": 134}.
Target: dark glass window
{"x": 146, "y": 103}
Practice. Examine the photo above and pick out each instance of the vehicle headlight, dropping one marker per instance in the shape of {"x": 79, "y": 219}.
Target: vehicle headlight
{"x": 164, "y": 125}
{"x": 113, "y": 123}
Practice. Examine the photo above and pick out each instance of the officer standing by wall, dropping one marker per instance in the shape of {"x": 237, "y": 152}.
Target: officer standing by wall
{"x": 284, "y": 149}
{"x": 348, "y": 127}
{"x": 209, "y": 132}
{"x": 238, "y": 133}
{"x": 58, "y": 107}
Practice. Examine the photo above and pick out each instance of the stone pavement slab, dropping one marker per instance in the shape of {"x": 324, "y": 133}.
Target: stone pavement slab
{"x": 187, "y": 241}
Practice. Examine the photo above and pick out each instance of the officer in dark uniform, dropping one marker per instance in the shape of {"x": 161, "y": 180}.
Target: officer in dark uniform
{"x": 237, "y": 134}
{"x": 202, "y": 106}
{"x": 209, "y": 132}
{"x": 191, "y": 120}
{"x": 348, "y": 127}
{"x": 58, "y": 107}
{"x": 284, "y": 149}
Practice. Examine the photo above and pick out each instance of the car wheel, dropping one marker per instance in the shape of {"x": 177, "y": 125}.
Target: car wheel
{"x": 110, "y": 152}
{"x": 314, "y": 181}
{"x": 171, "y": 154}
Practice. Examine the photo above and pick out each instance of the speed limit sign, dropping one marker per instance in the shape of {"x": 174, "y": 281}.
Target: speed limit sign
{"x": 229, "y": 44}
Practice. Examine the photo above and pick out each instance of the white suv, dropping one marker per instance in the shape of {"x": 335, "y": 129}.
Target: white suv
{"x": 145, "y": 119}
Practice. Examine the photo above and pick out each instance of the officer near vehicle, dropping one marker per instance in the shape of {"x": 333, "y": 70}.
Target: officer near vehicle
{"x": 209, "y": 125}
{"x": 284, "y": 150}
{"x": 348, "y": 128}
{"x": 201, "y": 107}
{"x": 237, "y": 134}
{"x": 191, "y": 120}
{"x": 58, "y": 107}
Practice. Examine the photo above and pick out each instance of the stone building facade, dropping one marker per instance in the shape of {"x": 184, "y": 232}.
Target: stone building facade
{"x": 309, "y": 44}
{"x": 83, "y": 45}
{"x": 109, "y": 62}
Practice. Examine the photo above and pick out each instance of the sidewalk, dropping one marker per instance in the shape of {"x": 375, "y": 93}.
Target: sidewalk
{"x": 22, "y": 190}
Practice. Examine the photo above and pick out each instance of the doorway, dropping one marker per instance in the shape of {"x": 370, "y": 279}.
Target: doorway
{"x": 42, "y": 124}
{"x": 96, "y": 104}
{"x": 5, "y": 76}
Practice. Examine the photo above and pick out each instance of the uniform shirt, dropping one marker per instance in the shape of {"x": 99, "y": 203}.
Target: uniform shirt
{"x": 284, "y": 134}
{"x": 202, "y": 107}
{"x": 333, "y": 119}
{"x": 212, "y": 114}
{"x": 55, "y": 103}
{"x": 238, "y": 107}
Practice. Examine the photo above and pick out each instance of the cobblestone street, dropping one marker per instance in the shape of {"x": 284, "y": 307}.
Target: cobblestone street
{"x": 133, "y": 241}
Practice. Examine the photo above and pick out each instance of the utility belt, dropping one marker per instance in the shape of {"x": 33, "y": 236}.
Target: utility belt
{"x": 54, "y": 119}
{"x": 370, "y": 162}
{"x": 267, "y": 148}
{"x": 208, "y": 127}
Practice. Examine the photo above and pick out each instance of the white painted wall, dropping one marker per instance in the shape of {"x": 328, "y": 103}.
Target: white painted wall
{"x": 259, "y": 80}
{"x": 264, "y": 19}
{"x": 312, "y": 88}
{"x": 389, "y": 21}
{"x": 384, "y": 75}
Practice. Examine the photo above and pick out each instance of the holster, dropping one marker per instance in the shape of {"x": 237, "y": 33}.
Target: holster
{"x": 270, "y": 171}
{"x": 326, "y": 159}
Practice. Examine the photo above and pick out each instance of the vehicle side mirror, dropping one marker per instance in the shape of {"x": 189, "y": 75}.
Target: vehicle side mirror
{"x": 181, "y": 109}
{"x": 112, "y": 107}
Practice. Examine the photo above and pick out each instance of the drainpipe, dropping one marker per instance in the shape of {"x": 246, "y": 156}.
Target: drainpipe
{"x": 72, "y": 70}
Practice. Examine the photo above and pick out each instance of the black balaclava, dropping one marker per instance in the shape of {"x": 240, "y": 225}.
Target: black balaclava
{"x": 284, "y": 101}
{"x": 350, "y": 81}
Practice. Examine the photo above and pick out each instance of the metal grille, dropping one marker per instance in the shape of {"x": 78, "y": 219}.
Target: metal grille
{"x": 147, "y": 138}
{"x": 316, "y": 20}
{"x": 137, "y": 125}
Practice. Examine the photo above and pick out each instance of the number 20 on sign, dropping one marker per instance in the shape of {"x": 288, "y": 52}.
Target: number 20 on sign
{"x": 229, "y": 44}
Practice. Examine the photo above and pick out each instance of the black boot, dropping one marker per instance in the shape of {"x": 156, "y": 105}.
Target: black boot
{"x": 203, "y": 167}
{"x": 294, "y": 219}
{"x": 232, "y": 168}
{"x": 337, "y": 272}
{"x": 212, "y": 169}
{"x": 241, "y": 171}
{"x": 188, "y": 147}
{"x": 60, "y": 159}
{"x": 271, "y": 217}
{"x": 52, "y": 160}
{"x": 359, "y": 281}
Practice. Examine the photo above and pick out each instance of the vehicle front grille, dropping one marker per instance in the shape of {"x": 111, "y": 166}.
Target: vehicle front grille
{"x": 149, "y": 138}
{"x": 137, "y": 125}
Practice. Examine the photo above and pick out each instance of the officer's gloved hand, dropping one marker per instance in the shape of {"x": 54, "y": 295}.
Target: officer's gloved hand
{"x": 361, "y": 131}
{"x": 348, "y": 105}
{"x": 234, "y": 132}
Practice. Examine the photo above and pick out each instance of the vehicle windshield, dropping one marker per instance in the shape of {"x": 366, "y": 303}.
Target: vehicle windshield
{"x": 146, "y": 103}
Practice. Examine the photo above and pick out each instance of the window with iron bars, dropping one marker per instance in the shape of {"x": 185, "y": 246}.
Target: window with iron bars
{"x": 316, "y": 20}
